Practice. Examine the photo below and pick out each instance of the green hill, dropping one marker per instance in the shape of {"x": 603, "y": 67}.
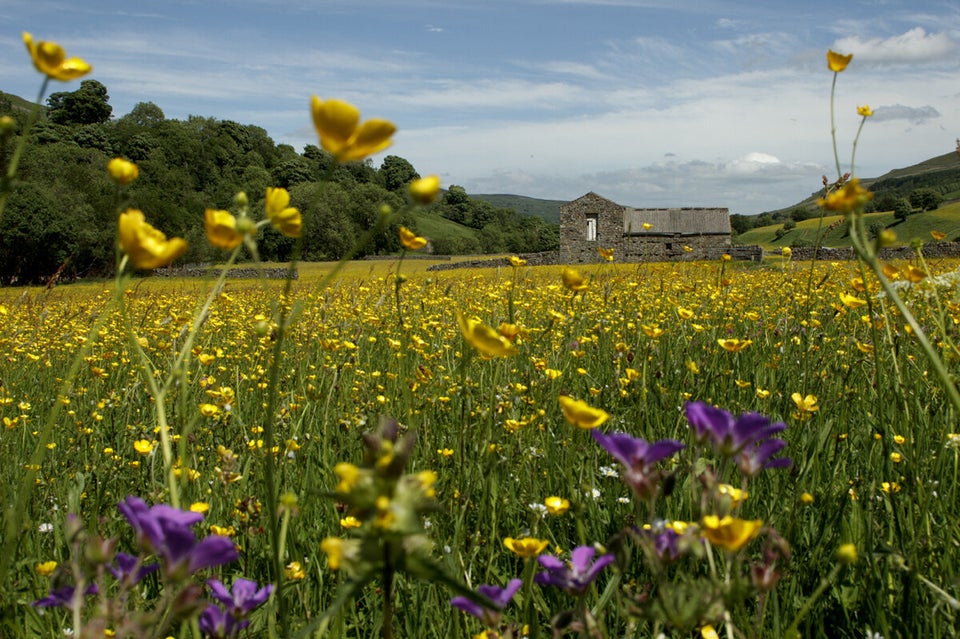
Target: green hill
{"x": 918, "y": 226}
{"x": 547, "y": 210}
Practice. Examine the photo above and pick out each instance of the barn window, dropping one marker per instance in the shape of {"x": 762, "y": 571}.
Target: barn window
{"x": 591, "y": 228}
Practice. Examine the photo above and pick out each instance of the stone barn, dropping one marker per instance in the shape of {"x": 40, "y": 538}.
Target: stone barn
{"x": 640, "y": 235}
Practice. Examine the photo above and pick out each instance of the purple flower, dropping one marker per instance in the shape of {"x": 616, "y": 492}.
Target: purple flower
{"x": 747, "y": 438}
{"x": 63, "y": 597}
{"x": 217, "y": 623}
{"x": 167, "y": 532}
{"x": 500, "y": 597}
{"x": 638, "y": 457}
{"x": 129, "y": 570}
{"x": 576, "y": 577}
{"x": 243, "y": 598}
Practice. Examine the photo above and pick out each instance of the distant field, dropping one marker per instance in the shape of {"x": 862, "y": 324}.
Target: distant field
{"x": 946, "y": 220}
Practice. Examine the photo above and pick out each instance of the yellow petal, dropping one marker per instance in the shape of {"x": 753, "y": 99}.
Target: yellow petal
{"x": 837, "y": 62}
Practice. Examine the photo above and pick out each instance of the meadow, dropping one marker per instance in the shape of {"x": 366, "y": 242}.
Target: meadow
{"x": 376, "y": 450}
{"x": 874, "y": 460}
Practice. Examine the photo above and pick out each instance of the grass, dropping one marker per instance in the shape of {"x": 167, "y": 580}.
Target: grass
{"x": 946, "y": 219}
{"x": 872, "y": 456}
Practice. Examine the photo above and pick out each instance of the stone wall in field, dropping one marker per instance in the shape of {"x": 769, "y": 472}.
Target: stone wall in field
{"x": 933, "y": 250}
{"x": 236, "y": 273}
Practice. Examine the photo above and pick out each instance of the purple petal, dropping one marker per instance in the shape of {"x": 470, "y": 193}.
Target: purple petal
{"x": 468, "y": 606}
{"x": 550, "y": 562}
{"x": 214, "y": 550}
{"x": 708, "y": 421}
{"x": 580, "y": 559}
{"x": 661, "y": 450}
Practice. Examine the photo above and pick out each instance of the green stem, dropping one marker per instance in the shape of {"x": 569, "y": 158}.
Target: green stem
{"x": 792, "y": 631}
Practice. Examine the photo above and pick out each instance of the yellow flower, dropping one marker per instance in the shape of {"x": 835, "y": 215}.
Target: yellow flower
{"x": 647, "y": 226}
{"x": 896, "y": 458}
{"x": 848, "y": 198}
{"x": 201, "y": 507}
{"x": 730, "y": 533}
{"x": 411, "y": 240}
{"x": 734, "y": 345}
{"x": 864, "y": 111}
{"x": 938, "y": 236}
{"x": 851, "y": 301}
{"x": 425, "y": 190}
{"x": 516, "y": 261}
{"x": 147, "y": 247}
{"x": 338, "y": 125}
{"x": 806, "y": 498}
{"x": 806, "y": 404}
{"x": 143, "y": 446}
{"x": 762, "y": 393}
{"x": 847, "y": 554}
{"x": 527, "y": 547}
{"x": 508, "y": 330}
{"x": 488, "y": 342}
{"x": 787, "y": 252}
{"x": 221, "y": 227}
{"x": 282, "y": 216}
{"x": 606, "y": 253}
{"x": 581, "y": 414}
{"x": 122, "y": 171}
{"x": 913, "y": 274}
{"x": 573, "y": 280}
{"x": 684, "y": 313}
{"x": 350, "y": 522}
{"x": 709, "y": 632}
{"x": 46, "y": 568}
{"x": 294, "y": 571}
{"x": 556, "y": 505}
{"x": 736, "y": 495}
{"x": 653, "y": 332}
{"x": 837, "y": 62}
{"x": 50, "y": 60}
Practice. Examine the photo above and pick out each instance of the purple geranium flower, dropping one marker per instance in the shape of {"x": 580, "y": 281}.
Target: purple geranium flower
{"x": 500, "y": 597}
{"x": 217, "y": 623}
{"x": 576, "y": 577}
{"x": 747, "y": 438}
{"x": 167, "y": 532}
{"x": 243, "y": 598}
{"x": 129, "y": 569}
{"x": 63, "y": 597}
{"x": 638, "y": 457}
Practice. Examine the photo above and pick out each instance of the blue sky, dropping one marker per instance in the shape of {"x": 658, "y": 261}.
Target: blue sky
{"x": 647, "y": 102}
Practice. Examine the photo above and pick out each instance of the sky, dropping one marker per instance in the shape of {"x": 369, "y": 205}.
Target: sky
{"x": 650, "y": 103}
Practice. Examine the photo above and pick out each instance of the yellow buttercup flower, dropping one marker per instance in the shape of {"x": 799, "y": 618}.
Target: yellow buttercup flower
{"x": 516, "y": 261}
{"x": 526, "y": 547}
{"x": 805, "y": 405}
{"x": 573, "y": 280}
{"x": 411, "y": 240}
{"x": 938, "y": 235}
{"x": 837, "y": 62}
{"x": 282, "y": 216}
{"x": 606, "y": 253}
{"x": 581, "y": 414}
{"x": 46, "y": 568}
{"x": 730, "y": 533}
{"x": 488, "y": 342}
{"x": 50, "y": 60}
{"x": 734, "y": 345}
{"x": 556, "y": 505}
{"x": 847, "y": 553}
{"x": 851, "y": 301}
{"x": 848, "y": 198}
{"x": 147, "y": 247}
{"x": 221, "y": 227}
{"x": 122, "y": 171}
{"x": 294, "y": 571}
{"x": 864, "y": 111}
{"x": 425, "y": 190}
{"x": 338, "y": 125}
{"x": 684, "y": 313}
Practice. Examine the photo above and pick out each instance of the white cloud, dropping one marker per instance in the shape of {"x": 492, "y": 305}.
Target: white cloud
{"x": 913, "y": 47}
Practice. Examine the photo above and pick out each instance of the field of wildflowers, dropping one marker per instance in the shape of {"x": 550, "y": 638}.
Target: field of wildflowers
{"x": 617, "y": 450}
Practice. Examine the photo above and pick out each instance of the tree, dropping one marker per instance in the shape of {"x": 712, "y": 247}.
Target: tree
{"x": 902, "y": 209}
{"x": 926, "y": 198}
{"x": 144, "y": 114}
{"x": 89, "y": 104}
{"x": 397, "y": 173}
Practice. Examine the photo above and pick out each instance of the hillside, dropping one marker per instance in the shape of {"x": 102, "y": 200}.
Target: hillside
{"x": 547, "y": 210}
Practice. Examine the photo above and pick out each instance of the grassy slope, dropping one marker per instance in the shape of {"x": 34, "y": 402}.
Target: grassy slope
{"x": 946, "y": 219}
{"x": 548, "y": 210}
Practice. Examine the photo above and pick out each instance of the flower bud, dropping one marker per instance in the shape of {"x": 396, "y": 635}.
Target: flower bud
{"x": 121, "y": 171}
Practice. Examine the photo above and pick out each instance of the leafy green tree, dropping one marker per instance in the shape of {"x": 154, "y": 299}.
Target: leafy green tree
{"x": 902, "y": 209}
{"x": 926, "y": 198}
{"x": 89, "y": 104}
{"x": 397, "y": 173}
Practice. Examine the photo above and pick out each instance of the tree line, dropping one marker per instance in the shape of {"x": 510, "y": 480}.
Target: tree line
{"x": 61, "y": 216}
